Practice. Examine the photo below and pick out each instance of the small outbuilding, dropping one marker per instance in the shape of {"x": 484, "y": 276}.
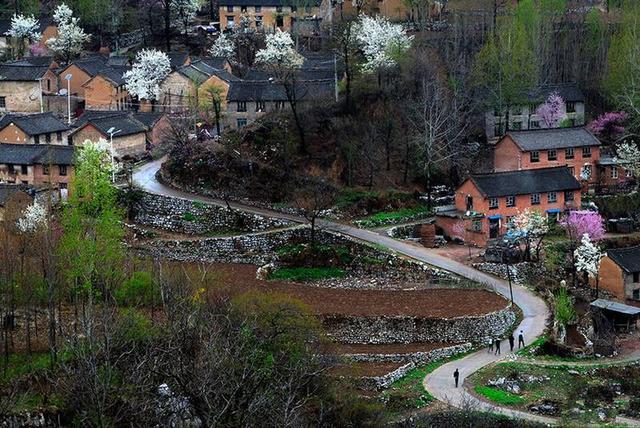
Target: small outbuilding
{"x": 619, "y": 272}
{"x": 622, "y": 317}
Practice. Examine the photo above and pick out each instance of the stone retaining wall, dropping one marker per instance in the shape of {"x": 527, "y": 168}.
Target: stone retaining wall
{"x": 403, "y": 329}
{"x": 199, "y": 218}
{"x": 521, "y": 273}
{"x": 417, "y": 358}
{"x": 375, "y": 383}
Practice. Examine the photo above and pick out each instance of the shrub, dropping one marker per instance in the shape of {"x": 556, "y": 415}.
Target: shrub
{"x": 565, "y": 313}
{"x": 189, "y": 216}
{"x": 306, "y": 273}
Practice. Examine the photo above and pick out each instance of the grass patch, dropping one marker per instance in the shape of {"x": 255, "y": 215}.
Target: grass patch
{"x": 307, "y": 273}
{"x": 352, "y": 196}
{"x": 188, "y": 216}
{"x": 499, "y": 396}
{"x": 394, "y": 217}
{"x": 531, "y": 349}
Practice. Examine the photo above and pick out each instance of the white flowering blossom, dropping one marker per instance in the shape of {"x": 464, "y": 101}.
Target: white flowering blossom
{"x": 184, "y": 11}
{"x": 71, "y": 38}
{"x": 585, "y": 172}
{"x": 628, "y": 155}
{"x": 530, "y": 223}
{"x": 149, "y": 70}
{"x": 380, "y": 41}
{"x": 223, "y": 47}
{"x": 280, "y": 51}
{"x": 588, "y": 257}
{"x": 34, "y": 217}
{"x": 24, "y": 27}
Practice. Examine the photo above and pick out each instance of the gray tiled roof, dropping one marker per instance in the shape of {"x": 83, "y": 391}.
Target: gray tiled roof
{"x": 526, "y": 182}
{"x": 201, "y": 70}
{"x": 91, "y": 65}
{"x": 618, "y": 307}
{"x": 127, "y": 122}
{"x": 177, "y": 59}
{"x": 34, "y": 124}
{"x": 568, "y": 91}
{"x": 270, "y": 91}
{"x": 115, "y": 73}
{"x": 30, "y": 154}
{"x": 555, "y": 138}
{"x": 627, "y": 258}
{"x": 22, "y": 72}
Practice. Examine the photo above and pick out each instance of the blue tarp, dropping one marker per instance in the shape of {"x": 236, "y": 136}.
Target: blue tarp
{"x": 495, "y": 217}
{"x": 554, "y": 210}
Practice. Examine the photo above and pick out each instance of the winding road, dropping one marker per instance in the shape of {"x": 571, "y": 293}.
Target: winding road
{"x": 440, "y": 381}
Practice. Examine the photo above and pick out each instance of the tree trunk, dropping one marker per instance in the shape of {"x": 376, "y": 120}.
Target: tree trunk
{"x": 167, "y": 24}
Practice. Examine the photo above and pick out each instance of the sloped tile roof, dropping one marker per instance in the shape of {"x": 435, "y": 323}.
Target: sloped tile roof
{"x": 271, "y": 91}
{"x": 22, "y": 72}
{"x": 555, "y": 138}
{"x": 627, "y": 258}
{"x": 526, "y": 182}
{"x": 30, "y": 154}
{"x": 127, "y": 122}
{"x": 34, "y": 124}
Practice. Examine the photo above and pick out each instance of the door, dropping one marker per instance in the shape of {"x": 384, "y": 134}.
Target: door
{"x": 494, "y": 227}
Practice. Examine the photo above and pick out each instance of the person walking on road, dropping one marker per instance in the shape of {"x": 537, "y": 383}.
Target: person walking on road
{"x": 521, "y": 339}
{"x": 497, "y": 346}
{"x": 490, "y": 350}
{"x": 511, "y": 342}
{"x": 456, "y": 376}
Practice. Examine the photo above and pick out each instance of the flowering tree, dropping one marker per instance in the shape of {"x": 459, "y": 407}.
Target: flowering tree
{"x": 149, "y": 70}
{"x": 23, "y": 28}
{"x": 282, "y": 59}
{"x": 609, "y": 126}
{"x": 71, "y": 38}
{"x": 531, "y": 227}
{"x": 552, "y": 111}
{"x": 223, "y": 47}
{"x": 579, "y": 223}
{"x": 628, "y": 154}
{"x": 587, "y": 258}
{"x": 381, "y": 42}
{"x": 33, "y": 218}
{"x": 184, "y": 12}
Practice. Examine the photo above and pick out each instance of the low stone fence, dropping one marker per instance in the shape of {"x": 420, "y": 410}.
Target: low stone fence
{"x": 199, "y": 218}
{"x": 404, "y": 329}
{"x": 375, "y": 383}
{"x": 417, "y": 358}
{"x": 31, "y": 420}
{"x": 521, "y": 273}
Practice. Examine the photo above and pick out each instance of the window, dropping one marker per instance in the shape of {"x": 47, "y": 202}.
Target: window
{"x": 241, "y": 122}
{"x": 24, "y": 170}
{"x": 11, "y": 169}
{"x": 3, "y": 102}
{"x": 47, "y": 138}
{"x": 535, "y": 124}
{"x": 59, "y": 137}
{"x": 279, "y": 21}
{"x": 258, "y": 9}
{"x": 568, "y": 196}
{"x": 279, "y": 105}
{"x": 69, "y": 140}
{"x": 260, "y": 106}
{"x": 552, "y": 197}
{"x": 572, "y": 170}
{"x": 258, "y": 21}
{"x": 36, "y": 139}
{"x": 636, "y": 277}
{"x": 476, "y": 226}
{"x": 516, "y": 111}
{"x": 571, "y": 107}
{"x": 469, "y": 203}
{"x": 614, "y": 172}
{"x": 242, "y": 106}
{"x": 516, "y": 126}
{"x": 497, "y": 129}
{"x": 628, "y": 173}
{"x": 535, "y": 199}
{"x": 534, "y": 156}
{"x": 493, "y": 203}
{"x": 568, "y": 153}
{"x": 243, "y": 9}
{"x": 62, "y": 169}
{"x": 636, "y": 294}
{"x": 230, "y": 21}
{"x": 510, "y": 201}
{"x": 62, "y": 185}
{"x": 278, "y": 9}
{"x": 229, "y": 8}
{"x": 48, "y": 85}
{"x": 586, "y": 172}
{"x": 45, "y": 169}
{"x": 586, "y": 152}
{"x": 552, "y": 155}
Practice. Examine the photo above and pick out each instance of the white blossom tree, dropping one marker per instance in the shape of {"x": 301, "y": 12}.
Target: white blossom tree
{"x": 224, "y": 47}
{"x": 23, "y": 29}
{"x": 184, "y": 12}
{"x": 381, "y": 42}
{"x": 281, "y": 58}
{"x": 628, "y": 155}
{"x": 530, "y": 225}
{"x": 587, "y": 258}
{"x": 71, "y": 38}
{"x": 33, "y": 218}
{"x": 150, "y": 68}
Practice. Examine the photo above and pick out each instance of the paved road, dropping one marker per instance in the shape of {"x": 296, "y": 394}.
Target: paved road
{"x": 440, "y": 382}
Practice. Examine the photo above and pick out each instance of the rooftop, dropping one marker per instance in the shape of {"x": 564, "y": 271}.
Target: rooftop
{"x": 266, "y": 3}
{"x": 22, "y": 71}
{"x": 612, "y": 306}
{"x": 31, "y": 154}
{"x": 554, "y": 138}
{"x": 201, "y": 70}
{"x": 127, "y": 122}
{"x": 526, "y": 182}
{"x": 34, "y": 124}
{"x": 271, "y": 91}
{"x": 627, "y": 258}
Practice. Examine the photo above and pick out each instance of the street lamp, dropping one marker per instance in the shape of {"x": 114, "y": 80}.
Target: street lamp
{"x": 68, "y": 77}
{"x": 112, "y": 131}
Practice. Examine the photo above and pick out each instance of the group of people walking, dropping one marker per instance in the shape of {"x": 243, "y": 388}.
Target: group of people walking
{"x": 494, "y": 346}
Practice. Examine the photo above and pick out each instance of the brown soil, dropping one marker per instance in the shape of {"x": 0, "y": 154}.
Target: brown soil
{"x": 433, "y": 303}
{"x": 392, "y": 348}
{"x": 365, "y": 369}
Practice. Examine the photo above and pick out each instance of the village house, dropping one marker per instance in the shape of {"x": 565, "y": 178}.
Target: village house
{"x": 250, "y": 100}
{"x": 267, "y": 15}
{"x": 486, "y": 203}
{"x": 575, "y": 148}
{"x": 190, "y": 84}
{"x": 133, "y": 132}
{"x": 22, "y": 85}
{"x": 524, "y": 116}
{"x": 619, "y": 273}
{"x": 36, "y": 164}
{"x": 38, "y": 128}
{"x": 106, "y": 90}
{"x": 81, "y": 71}
{"x": 178, "y": 59}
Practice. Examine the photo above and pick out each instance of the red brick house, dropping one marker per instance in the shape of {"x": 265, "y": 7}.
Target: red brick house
{"x": 575, "y": 148}
{"x": 485, "y": 203}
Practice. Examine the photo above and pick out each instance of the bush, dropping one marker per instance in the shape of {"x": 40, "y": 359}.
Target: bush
{"x": 499, "y": 396}
{"x": 303, "y": 255}
{"x": 306, "y": 273}
{"x": 565, "y": 313}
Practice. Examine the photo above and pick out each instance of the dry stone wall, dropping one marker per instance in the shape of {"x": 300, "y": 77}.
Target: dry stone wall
{"x": 415, "y": 357}
{"x": 198, "y": 218}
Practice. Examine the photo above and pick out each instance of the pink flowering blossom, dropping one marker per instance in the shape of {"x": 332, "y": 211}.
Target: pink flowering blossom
{"x": 579, "y": 223}
{"x": 36, "y": 49}
{"x": 610, "y": 125}
{"x": 552, "y": 110}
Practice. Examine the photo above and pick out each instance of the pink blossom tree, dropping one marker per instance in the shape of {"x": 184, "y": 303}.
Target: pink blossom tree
{"x": 578, "y": 223}
{"x": 552, "y": 111}
{"x": 609, "y": 126}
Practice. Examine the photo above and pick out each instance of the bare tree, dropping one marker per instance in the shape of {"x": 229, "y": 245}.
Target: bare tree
{"x": 312, "y": 200}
